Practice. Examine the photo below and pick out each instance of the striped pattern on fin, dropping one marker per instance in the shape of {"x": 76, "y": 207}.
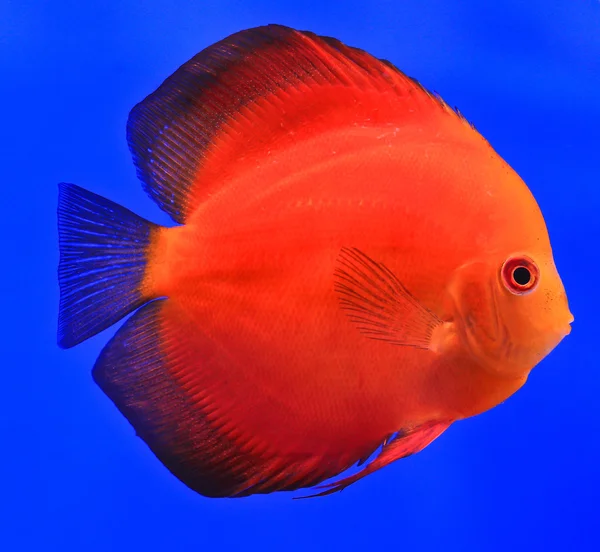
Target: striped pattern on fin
{"x": 103, "y": 256}
{"x": 153, "y": 371}
{"x": 170, "y": 133}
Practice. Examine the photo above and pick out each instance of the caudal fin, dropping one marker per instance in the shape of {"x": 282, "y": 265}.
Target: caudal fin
{"x": 103, "y": 255}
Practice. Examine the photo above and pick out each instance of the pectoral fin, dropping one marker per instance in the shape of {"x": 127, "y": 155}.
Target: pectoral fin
{"x": 379, "y": 304}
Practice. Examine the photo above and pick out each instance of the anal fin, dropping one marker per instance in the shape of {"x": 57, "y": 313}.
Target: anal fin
{"x": 157, "y": 372}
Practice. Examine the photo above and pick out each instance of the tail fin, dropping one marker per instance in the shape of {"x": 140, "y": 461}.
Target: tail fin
{"x": 103, "y": 254}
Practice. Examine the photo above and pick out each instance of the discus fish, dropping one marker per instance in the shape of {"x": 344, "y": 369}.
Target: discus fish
{"x": 353, "y": 268}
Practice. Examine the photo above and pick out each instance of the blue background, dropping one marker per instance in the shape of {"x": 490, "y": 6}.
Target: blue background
{"x": 523, "y": 476}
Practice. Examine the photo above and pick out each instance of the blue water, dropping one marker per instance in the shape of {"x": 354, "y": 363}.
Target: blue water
{"x": 524, "y": 476}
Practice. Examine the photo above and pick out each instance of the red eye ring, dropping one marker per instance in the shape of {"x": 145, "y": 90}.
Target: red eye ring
{"x": 520, "y": 275}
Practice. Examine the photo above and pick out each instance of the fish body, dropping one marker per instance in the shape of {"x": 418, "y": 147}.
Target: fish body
{"x": 345, "y": 275}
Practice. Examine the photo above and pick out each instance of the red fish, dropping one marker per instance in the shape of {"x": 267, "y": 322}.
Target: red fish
{"x": 353, "y": 268}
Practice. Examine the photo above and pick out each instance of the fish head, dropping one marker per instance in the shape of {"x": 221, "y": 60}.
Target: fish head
{"x": 510, "y": 309}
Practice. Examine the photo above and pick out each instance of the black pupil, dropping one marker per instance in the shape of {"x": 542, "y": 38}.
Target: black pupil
{"x": 522, "y": 275}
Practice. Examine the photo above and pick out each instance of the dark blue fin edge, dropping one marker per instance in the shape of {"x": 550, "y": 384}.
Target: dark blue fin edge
{"x": 103, "y": 251}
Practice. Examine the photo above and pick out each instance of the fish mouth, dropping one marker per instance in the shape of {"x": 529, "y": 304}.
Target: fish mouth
{"x": 568, "y": 328}
{"x": 565, "y": 329}
{"x": 569, "y": 322}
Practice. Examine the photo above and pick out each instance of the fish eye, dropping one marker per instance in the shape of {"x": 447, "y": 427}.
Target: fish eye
{"x": 520, "y": 275}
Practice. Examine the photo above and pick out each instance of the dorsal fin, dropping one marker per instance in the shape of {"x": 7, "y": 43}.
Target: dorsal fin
{"x": 254, "y": 87}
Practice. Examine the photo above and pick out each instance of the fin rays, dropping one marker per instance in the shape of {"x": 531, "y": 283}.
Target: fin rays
{"x": 172, "y": 131}
{"x": 378, "y": 303}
